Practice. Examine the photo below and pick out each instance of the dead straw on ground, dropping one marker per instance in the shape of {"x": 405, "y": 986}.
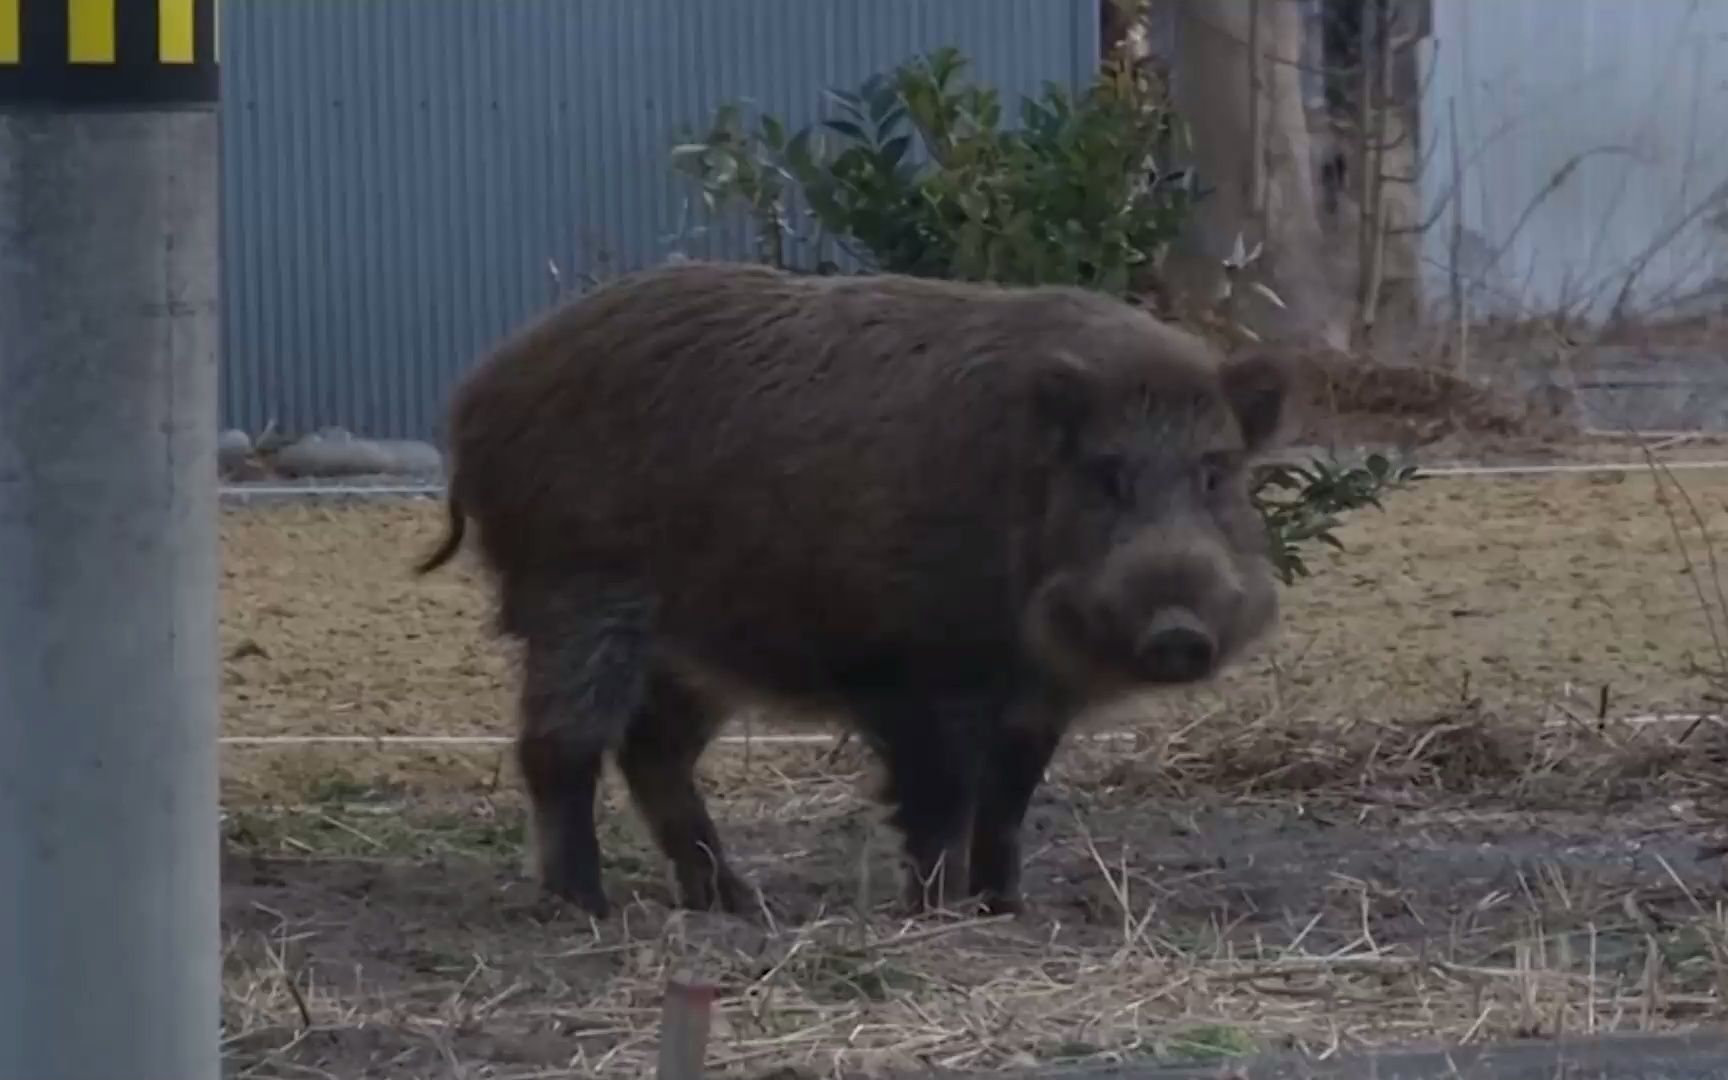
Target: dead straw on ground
{"x": 847, "y": 987}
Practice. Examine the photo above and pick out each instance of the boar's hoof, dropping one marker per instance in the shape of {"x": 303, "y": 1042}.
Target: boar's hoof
{"x": 1176, "y": 648}
{"x": 1001, "y": 904}
{"x": 919, "y": 897}
{"x": 585, "y": 895}
{"x": 710, "y": 891}
{"x": 592, "y": 903}
{"x": 552, "y": 906}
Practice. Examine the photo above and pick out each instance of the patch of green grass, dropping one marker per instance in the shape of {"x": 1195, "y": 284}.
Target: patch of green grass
{"x": 344, "y": 828}
{"x": 438, "y": 961}
{"x": 456, "y": 833}
{"x": 1211, "y": 1042}
{"x": 1202, "y": 1044}
{"x": 841, "y": 975}
{"x": 356, "y": 830}
{"x": 339, "y": 786}
{"x": 1070, "y": 1052}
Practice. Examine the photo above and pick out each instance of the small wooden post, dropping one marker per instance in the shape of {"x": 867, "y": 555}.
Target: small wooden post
{"x": 685, "y": 1014}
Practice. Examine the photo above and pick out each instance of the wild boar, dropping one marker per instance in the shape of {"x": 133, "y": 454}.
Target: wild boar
{"x": 951, "y": 515}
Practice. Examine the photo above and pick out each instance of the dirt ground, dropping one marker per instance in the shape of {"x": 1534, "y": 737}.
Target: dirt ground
{"x": 1439, "y": 806}
{"x": 1530, "y": 592}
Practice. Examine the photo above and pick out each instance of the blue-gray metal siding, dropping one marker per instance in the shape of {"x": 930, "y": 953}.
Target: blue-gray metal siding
{"x": 397, "y": 175}
{"x": 1589, "y": 133}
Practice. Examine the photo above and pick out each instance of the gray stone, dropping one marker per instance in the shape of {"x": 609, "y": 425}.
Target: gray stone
{"x": 411, "y": 457}
{"x": 334, "y": 452}
{"x": 233, "y": 451}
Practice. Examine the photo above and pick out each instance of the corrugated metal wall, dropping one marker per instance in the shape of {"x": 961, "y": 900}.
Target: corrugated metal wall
{"x": 1587, "y": 131}
{"x": 397, "y": 173}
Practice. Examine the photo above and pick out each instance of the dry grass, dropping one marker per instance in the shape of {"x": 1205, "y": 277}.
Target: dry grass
{"x": 1416, "y": 818}
{"x": 1196, "y": 896}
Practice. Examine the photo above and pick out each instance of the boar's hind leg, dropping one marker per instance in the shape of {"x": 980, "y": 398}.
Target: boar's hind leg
{"x": 658, "y": 760}
{"x": 1013, "y": 768}
{"x": 932, "y": 778}
{"x": 583, "y": 683}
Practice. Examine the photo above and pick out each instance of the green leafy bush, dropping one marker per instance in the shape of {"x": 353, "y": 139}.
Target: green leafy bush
{"x": 737, "y": 167}
{"x": 916, "y": 175}
{"x": 1301, "y": 503}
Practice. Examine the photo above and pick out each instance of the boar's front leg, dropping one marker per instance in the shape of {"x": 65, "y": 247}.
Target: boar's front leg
{"x": 929, "y": 749}
{"x": 1015, "y": 758}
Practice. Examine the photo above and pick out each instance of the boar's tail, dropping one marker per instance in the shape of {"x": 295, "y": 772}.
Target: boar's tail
{"x": 456, "y": 524}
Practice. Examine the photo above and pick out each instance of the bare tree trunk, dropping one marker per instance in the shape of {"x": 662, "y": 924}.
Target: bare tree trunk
{"x": 1115, "y": 22}
{"x": 1374, "y": 111}
{"x": 1214, "y": 88}
{"x": 1256, "y": 178}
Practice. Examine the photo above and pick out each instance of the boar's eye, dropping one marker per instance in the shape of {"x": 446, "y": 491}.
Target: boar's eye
{"x": 1109, "y": 473}
{"x": 1214, "y": 470}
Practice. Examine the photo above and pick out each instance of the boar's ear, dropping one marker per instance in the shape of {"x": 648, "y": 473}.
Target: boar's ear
{"x": 1256, "y": 386}
{"x": 1064, "y": 393}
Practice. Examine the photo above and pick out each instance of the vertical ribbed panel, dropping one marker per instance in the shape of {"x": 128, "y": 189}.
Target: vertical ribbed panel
{"x": 397, "y": 174}
{"x": 1588, "y": 131}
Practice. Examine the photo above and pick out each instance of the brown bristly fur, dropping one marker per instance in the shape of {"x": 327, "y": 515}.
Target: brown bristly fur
{"x": 946, "y": 512}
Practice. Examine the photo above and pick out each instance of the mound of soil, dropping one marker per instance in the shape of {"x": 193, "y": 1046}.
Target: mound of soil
{"x": 1346, "y": 398}
{"x": 1349, "y": 399}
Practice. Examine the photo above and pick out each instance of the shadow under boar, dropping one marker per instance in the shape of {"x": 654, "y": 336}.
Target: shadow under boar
{"x": 954, "y": 515}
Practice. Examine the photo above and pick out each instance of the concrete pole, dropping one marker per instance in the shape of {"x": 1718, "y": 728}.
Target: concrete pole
{"x": 109, "y": 900}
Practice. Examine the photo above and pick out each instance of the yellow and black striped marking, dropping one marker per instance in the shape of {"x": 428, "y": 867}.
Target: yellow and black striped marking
{"x": 107, "y": 52}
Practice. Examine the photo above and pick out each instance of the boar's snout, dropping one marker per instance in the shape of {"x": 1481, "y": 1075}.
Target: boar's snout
{"x": 1174, "y": 601}
{"x": 1176, "y": 647}
{"x": 1162, "y": 611}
